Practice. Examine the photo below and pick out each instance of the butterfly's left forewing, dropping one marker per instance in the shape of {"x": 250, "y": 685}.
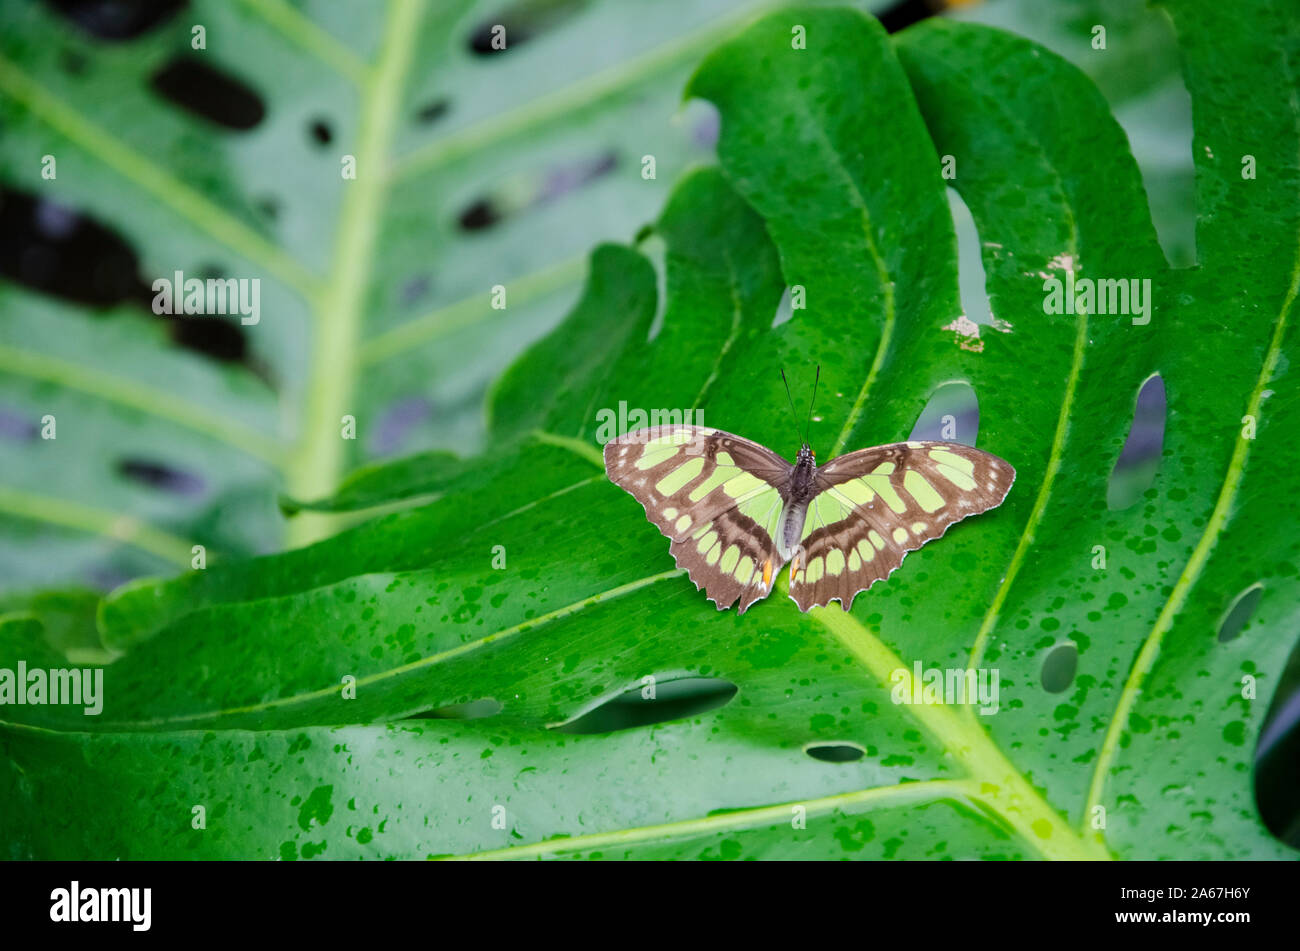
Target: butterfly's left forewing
{"x": 874, "y": 506}
{"x": 719, "y": 499}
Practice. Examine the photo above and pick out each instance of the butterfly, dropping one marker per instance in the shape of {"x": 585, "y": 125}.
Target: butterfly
{"x": 737, "y": 512}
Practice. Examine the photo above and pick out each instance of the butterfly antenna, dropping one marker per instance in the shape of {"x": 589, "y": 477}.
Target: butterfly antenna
{"x": 814, "y": 397}
{"x": 793, "y": 413}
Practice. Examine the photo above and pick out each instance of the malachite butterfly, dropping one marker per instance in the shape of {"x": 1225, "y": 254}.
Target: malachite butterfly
{"x": 737, "y": 512}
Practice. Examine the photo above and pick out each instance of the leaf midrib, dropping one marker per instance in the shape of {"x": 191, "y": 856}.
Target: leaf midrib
{"x": 316, "y": 468}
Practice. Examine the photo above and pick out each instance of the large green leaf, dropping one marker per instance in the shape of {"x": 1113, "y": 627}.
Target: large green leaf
{"x": 829, "y": 179}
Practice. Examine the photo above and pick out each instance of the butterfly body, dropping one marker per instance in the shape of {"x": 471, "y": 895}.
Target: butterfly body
{"x": 736, "y": 512}
{"x": 799, "y": 492}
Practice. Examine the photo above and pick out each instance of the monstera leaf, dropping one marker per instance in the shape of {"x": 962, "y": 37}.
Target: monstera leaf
{"x": 441, "y": 680}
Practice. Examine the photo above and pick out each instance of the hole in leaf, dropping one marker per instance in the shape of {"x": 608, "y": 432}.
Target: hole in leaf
{"x": 705, "y": 123}
{"x": 532, "y": 189}
{"x": 569, "y": 177}
{"x": 904, "y": 13}
{"x": 1158, "y": 120}
{"x": 396, "y": 425}
{"x": 158, "y": 476}
{"x": 1139, "y": 461}
{"x": 655, "y": 250}
{"x": 1277, "y": 753}
{"x": 1239, "y": 614}
{"x": 951, "y": 415}
{"x": 321, "y": 132}
{"x": 971, "y": 279}
{"x": 415, "y": 290}
{"x": 433, "y": 111}
{"x": 16, "y": 427}
{"x": 208, "y": 93}
{"x": 836, "y": 752}
{"x": 55, "y": 250}
{"x": 784, "y": 309}
{"x": 482, "y": 39}
{"x": 473, "y": 710}
{"x": 673, "y": 700}
{"x": 217, "y": 337}
{"x": 520, "y": 22}
{"x": 221, "y": 338}
{"x": 1059, "y": 668}
{"x": 479, "y": 215}
{"x": 116, "y": 19}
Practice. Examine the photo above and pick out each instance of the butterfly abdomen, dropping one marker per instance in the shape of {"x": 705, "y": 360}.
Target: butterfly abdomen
{"x": 791, "y": 530}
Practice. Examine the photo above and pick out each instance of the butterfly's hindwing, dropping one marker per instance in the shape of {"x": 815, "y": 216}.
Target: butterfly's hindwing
{"x": 874, "y": 506}
{"x": 717, "y": 496}
{"x": 732, "y": 555}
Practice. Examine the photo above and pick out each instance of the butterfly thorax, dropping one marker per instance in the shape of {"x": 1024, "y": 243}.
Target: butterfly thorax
{"x": 801, "y": 479}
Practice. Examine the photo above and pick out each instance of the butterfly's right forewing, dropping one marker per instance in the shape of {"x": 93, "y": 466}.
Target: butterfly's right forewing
{"x": 719, "y": 499}
{"x": 874, "y": 506}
